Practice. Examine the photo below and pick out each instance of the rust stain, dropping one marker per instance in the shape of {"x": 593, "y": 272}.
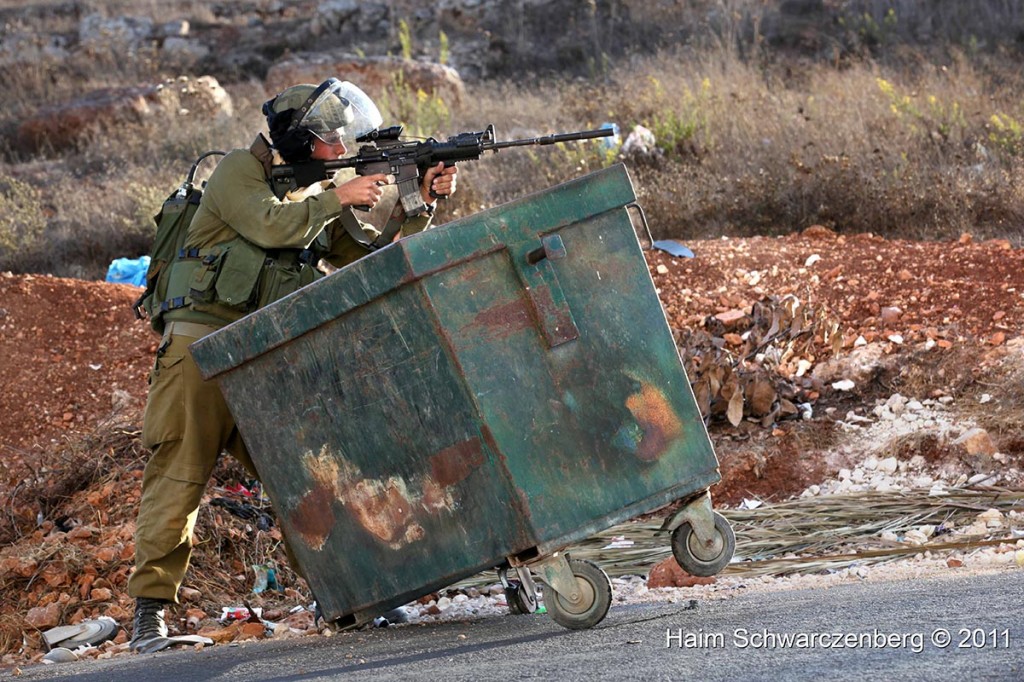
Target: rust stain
{"x": 556, "y": 323}
{"x": 456, "y": 462}
{"x": 656, "y": 418}
{"x": 501, "y": 321}
{"x": 384, "y": 509}
{"x": 435, "y": 497}
{"x": 312, "y": 517}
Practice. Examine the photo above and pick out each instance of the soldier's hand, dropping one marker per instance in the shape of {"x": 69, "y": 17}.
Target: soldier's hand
{"x": 439, "y": 179}
{"x": 362, "y": 190}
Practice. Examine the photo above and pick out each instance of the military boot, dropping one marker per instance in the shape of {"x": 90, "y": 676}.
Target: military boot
{"x": 149, "y": 622}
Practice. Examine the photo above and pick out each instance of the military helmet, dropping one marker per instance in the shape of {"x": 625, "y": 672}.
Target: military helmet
{"x": 333, "y": 111}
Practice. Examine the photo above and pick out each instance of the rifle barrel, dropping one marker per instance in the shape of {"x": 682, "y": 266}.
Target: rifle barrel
{"x": 552, "y": 139}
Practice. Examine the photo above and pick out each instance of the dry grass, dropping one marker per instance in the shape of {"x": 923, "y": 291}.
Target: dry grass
{"x": 900, "y": 142}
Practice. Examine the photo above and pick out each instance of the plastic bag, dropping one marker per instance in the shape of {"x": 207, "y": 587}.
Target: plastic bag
{"x": 128, "y": 271}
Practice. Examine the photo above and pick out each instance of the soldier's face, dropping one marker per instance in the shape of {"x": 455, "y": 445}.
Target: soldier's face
{"x": 323, "y": 151}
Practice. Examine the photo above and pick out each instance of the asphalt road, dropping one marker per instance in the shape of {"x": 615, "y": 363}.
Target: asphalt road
{"x": 866, "y": 631}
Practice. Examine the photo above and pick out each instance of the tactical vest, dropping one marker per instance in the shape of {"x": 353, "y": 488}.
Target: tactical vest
{"x": 219, "y": 284}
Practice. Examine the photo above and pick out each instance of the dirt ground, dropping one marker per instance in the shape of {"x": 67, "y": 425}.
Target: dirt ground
{"x": 941, "y": 319}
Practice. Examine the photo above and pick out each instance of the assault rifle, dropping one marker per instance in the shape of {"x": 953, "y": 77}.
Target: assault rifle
{"x": 407, "y": 161}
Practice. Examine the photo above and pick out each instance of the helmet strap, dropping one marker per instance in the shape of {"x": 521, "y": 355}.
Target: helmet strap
{"x": 301, "y": 112}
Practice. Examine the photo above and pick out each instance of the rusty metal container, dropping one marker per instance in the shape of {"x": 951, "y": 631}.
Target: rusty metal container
{"x": 481, "y": 394}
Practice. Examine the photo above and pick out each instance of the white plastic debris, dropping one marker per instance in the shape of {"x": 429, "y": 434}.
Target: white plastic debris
{"x": 843, "y": 385}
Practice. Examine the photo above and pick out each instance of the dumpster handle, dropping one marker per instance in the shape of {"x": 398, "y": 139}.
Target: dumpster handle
{"x": 536, "y": 256}
{"x": 647, "y": 228}
{"x": 551, "y": 246}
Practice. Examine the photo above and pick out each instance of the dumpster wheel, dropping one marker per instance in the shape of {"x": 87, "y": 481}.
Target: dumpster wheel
{"x": 699, "y": 559}
{"x": 594, "y": 597}
{"x": 518, "y": 600}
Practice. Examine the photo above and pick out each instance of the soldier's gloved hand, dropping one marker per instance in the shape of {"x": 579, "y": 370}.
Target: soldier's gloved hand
{"x": 362, "y": 190}
{"x": 438, "y": 181}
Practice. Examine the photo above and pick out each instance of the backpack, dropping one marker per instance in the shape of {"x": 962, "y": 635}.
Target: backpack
{"x": 172, "y": 224}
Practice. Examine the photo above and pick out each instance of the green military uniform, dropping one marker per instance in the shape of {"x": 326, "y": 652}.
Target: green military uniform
{"x": 187, "y": 423}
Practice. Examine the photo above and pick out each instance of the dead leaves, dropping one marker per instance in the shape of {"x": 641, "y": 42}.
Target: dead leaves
{"x": 743, "y": 365}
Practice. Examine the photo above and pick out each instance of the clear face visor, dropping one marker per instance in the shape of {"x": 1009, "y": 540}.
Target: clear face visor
{"x": 342, "y": 113}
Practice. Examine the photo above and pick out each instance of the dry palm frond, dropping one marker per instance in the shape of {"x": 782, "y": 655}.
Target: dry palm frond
{"x": 816, "y": 534}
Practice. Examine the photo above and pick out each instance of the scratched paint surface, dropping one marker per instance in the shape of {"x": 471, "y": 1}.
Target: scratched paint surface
{"x": 593, "y": 424}
{"x": 372, "y": 453}
{"x": 442, "y": 404}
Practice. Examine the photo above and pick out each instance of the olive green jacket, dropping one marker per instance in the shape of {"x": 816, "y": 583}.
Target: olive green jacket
{"x": 238, "y": 201}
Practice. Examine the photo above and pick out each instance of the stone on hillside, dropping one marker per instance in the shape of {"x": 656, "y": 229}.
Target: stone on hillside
{"x": 372, "y": 74}
{"x": 29, "y": 48}
{"x": 185, "y": 48}
{"x": 59, "y": 126}
{"x": 732, "y": 319}
{"x": 44, "y": 617}
{"x": 330, "y": 16}
{"x": 890, "y": 315}
{"x": 977, "y": 442}
{"x": 98, "y": 31}
{"x": 859, "y": 365}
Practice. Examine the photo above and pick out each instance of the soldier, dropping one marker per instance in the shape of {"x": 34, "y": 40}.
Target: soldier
{"x": 272, "y": 247}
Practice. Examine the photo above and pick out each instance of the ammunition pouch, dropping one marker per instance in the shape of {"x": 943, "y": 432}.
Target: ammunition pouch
{"x": 232, "y": 279}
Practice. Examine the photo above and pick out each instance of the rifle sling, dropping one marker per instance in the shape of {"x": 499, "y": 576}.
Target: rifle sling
{"x": 355, "y": 229}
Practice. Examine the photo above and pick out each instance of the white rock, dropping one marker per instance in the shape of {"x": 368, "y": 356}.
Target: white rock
{"x": 915, "y": 537}
{"x": 922, "y": 481}
{"x": 662, "y": 270}
{"x": 946, "y": 399}
{"x": 858, "y": 475}
{"x": 888, "y": 465}
{"x": 985, "y": 397}
{"x": 844, "y": 474}
{"x": 811, "y": 260}
{"x": 444, "y": 603}
{"x": 929, "y": 344}
{"x": 843, "y": 385}
{"x": 977, "y": 528}
{"x": 987, "y": 479}
{"x": 871, "y": 463}
{"x": 917, "y": 461}
{"x": 888, "y": 536}
{"x": 914, "y": 405}
{"x": 992, "y": 518}
{"x": 861, "y": 341}
{"x": 896, "y": 338}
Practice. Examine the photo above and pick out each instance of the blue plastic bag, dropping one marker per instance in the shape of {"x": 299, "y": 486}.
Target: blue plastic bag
{"x": 128, "y": 271}
{"x": 613, "y": 141}
{"x": 673, "y": 247}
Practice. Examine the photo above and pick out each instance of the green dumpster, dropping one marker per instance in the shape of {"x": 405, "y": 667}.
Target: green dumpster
{"x": 480, "y": 395}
